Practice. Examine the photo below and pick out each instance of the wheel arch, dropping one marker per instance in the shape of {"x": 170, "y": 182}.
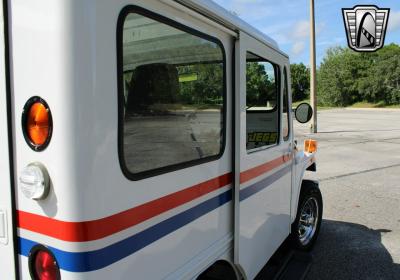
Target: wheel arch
{"x": 309, "y": 191}
{"x": 303, "y": 183}
{"x": 302, "y": 163}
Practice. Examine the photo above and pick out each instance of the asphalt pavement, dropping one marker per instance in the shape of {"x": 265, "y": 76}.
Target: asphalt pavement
{"x": 358, "y": 166}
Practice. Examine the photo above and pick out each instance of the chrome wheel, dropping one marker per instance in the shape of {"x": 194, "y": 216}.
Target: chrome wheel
{"x": 308, "y": 222}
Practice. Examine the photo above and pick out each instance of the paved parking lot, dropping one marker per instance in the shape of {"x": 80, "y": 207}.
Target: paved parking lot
{"x": 358, "y": 164}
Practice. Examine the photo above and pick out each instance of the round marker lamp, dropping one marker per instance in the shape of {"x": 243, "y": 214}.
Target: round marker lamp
{"x": 42, "y": 264}
{"x": 37, "y": 123}
{"x": 34, "y": 181}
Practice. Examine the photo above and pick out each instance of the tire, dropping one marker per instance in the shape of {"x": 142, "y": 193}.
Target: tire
{"x": 305, "y": 231}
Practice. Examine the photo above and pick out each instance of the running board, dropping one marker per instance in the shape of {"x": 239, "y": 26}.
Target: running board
{"x": 286, "y": 264}
{"x": 296, "y": 268}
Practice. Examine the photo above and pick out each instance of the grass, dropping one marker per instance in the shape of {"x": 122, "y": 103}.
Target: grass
{"x": 177, "y": 107}
{"x": 397, "y": 106}
{"x": 295, "y": 104}
{"x": 355, "y": 105}
{"x": 367, "y": 105}
{"x": 169, "y": 107}
{"x": 320, "y": 107}
{"x": 373, "y": 105}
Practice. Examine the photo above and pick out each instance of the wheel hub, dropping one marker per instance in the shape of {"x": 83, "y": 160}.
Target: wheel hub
{"x": 309, "y": 216}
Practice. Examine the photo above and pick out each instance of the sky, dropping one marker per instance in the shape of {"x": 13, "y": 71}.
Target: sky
{"x": 287, "y": 22}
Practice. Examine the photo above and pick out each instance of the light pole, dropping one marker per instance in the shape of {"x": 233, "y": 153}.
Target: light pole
{"x": 313, "y": 81}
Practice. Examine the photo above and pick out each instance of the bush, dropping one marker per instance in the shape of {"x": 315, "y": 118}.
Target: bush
{"x": 346, "y": 77}
{"x": 300, "y": 81}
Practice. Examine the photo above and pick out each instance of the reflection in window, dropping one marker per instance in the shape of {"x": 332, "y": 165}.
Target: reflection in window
{"x": 174, "y": 95}
{"x": 285, "y": 109}
{"x": 262, "y": 112}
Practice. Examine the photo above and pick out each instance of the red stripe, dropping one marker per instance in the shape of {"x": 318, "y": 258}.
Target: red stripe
{"x": 261, "y": 169}
{"x": 96, "y": 229}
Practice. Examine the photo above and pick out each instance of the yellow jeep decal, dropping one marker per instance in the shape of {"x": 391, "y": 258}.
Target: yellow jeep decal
{"x": 263, "y": 137}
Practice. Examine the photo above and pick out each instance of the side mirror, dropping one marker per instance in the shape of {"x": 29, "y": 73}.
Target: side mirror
{"x": 303, "y": 113}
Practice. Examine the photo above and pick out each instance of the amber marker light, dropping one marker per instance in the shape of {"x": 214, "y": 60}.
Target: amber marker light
{"x": 37, "y": 123}
{"x": 310, "y": 146}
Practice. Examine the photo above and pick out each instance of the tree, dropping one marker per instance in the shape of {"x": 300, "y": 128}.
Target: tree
{"x": 259, "y": 87}
{"x": 207, "y": 88}
{"x": 385, "y": 78}
{"x": 300, "y": 81}
{"x": 338, "y": 75}
{"x": 346, "y": 77}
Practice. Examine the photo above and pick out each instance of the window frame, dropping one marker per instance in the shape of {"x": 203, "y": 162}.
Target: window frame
{"x": 286, "y": 84}
{"x": 121, "y": 96}
{"x": 277, "y": 72}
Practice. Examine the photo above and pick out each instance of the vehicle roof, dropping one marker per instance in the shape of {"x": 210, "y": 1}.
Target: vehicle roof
{"x": 212, "y": 10}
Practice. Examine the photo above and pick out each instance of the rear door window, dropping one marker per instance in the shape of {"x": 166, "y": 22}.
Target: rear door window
{"x": 172, "y": 95}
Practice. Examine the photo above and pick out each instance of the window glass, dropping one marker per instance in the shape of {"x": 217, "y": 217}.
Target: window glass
{"x": 173, "y": 85}
{"x": 285, "y": 109}
{"x": 262, "y": 112}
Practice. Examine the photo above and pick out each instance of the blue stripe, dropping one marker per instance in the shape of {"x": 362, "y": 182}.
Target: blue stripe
{"x": 93, "y": 260}
{"x": 259, "y": 186}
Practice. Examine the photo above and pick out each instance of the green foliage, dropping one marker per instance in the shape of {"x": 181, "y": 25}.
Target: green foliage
{"x": 346, "y": 77}
{"x": 260, "y": 88}
{"x": 206, "y": 89}
{"x": 300, "y": 81}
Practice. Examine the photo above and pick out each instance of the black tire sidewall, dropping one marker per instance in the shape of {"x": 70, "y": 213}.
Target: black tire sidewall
{"x": 308, "y": 190}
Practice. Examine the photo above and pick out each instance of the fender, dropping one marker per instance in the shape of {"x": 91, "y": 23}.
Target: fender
{"x": 302, "y": 162}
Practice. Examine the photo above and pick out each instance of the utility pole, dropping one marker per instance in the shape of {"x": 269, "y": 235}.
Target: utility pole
{"x": 313, "y": 81}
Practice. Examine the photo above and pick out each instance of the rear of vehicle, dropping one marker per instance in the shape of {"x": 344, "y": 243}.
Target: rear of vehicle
{"x": 8, "y": 254}
{"x": 136, "y": 170}
{"x": 138, "y": 143}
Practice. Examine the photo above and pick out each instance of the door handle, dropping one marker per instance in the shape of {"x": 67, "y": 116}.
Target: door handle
{"x": 3, "y": 227}
{"x": 288, "y": 154}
